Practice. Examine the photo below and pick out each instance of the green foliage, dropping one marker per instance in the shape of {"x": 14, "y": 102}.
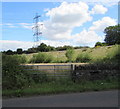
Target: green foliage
{"x": 39, "y": 78}
{"x": 19, "y": 51}
{"x": 44, "y": 48}
{"x": 63, "y": 86}
{"x": 65, "y": 47}
{"x": 113, "y": 57}
{"x": 112, "y": 34}
{"x": 83, "y": 57}
{"x": 20, "y": 58}
{"x": 13, "y": 75}
{"x": 79, "y": 47}
{"x": 9, "y": 52}
{"x": 98, "y": 44}
{"x": 69, "y": 54}
{"x": 42, "y": 58}
{"x": 31, "y": 50}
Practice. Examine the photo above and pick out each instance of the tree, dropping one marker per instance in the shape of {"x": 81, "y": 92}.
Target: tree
{"x": 112, "y": 34}
{"x": 42, "y": 47}
{"x": 65, "y": 47}
{"x": 98, "y": 44}
{"x": 31, "y": 50}
{"x": 19, "y": 51}
{"x": 9, "y": 52}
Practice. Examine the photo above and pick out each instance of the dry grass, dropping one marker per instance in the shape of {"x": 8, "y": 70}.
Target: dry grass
{"x": 95, "y": 53}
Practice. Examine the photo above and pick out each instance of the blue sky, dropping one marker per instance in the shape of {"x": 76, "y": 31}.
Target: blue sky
{"x": 76, "y": 23}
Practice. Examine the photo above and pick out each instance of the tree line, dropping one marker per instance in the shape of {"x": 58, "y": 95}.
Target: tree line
{"x": 42, "y": 48}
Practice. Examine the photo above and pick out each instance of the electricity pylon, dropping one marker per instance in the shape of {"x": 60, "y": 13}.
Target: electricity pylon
{"x": 37, "y": 31}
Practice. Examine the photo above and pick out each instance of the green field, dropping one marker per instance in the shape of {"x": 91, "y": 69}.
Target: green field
{"x": 95, "y": 53}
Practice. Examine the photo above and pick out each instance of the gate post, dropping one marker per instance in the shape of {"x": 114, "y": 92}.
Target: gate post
{"x": 72, "y": 70}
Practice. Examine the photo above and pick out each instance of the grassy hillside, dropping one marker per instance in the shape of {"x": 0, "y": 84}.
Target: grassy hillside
{"x": 95, "y": 53}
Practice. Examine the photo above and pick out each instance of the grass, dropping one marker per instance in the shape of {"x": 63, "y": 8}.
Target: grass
{"x": 95, "y": 53}
{"x": 66, "y": 85}
{"x": 62, "y": 86}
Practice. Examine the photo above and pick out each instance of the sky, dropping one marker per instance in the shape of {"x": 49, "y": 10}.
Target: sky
{"x": 79, "y": 23}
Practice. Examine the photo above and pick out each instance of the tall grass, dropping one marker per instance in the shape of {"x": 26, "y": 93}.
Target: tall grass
{"x": 20, "y": 58}
{"x": 41, "y": 58}
{"x": 83, "y": 57}
{"x": 62, "y": 86}
{"x": 112, "y": 57}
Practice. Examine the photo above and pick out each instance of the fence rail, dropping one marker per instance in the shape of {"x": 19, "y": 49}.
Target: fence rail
{"x": 51, "y": 70}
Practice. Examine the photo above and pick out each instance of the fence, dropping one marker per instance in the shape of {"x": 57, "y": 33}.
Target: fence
{"x": 51, "y": 70}
{"x": 93, "y": 72}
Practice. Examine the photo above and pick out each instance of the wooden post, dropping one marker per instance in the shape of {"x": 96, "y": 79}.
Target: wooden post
{"x": 71, "y": 70}
{"x": 54, "y": 71}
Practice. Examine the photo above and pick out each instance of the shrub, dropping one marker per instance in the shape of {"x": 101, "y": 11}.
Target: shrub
{"x": 69, "y": 54}
{"x": 14, "y": 75}
{"x": 20, "y": 58}
{"x": 83, "y": 57}
{"x": 39, "y": 78}
{"x": 42, "y": 58}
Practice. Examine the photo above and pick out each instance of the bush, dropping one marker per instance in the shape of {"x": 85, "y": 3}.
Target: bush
{"x": 20, "y": 58}
{"x": 39, "y": 78}
{"x": 13, "y": 75}
{"x": 42, "y": 58}
{"x": 83, "y": 57}
{"x": 69, "y": 54}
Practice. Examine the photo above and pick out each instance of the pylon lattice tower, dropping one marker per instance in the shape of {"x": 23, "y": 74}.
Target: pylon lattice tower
{"x": 37, "y": 30}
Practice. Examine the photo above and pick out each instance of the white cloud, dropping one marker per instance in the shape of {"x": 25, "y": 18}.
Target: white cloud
{"x": 26, "y": 25}
{"x": 13, "y": 44}
{"x": 100, "y": 25}
{"x": 18, "y": 25}
{"x": 9, "y": 25}
{"x": 67, "y": 16}
{"x": 87, "y": 38}
{"x": 102, "y": 2}
{"x": 56, "y": 43}
{"x": 99, "y": 9}
{"x": 64, "y": 18}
